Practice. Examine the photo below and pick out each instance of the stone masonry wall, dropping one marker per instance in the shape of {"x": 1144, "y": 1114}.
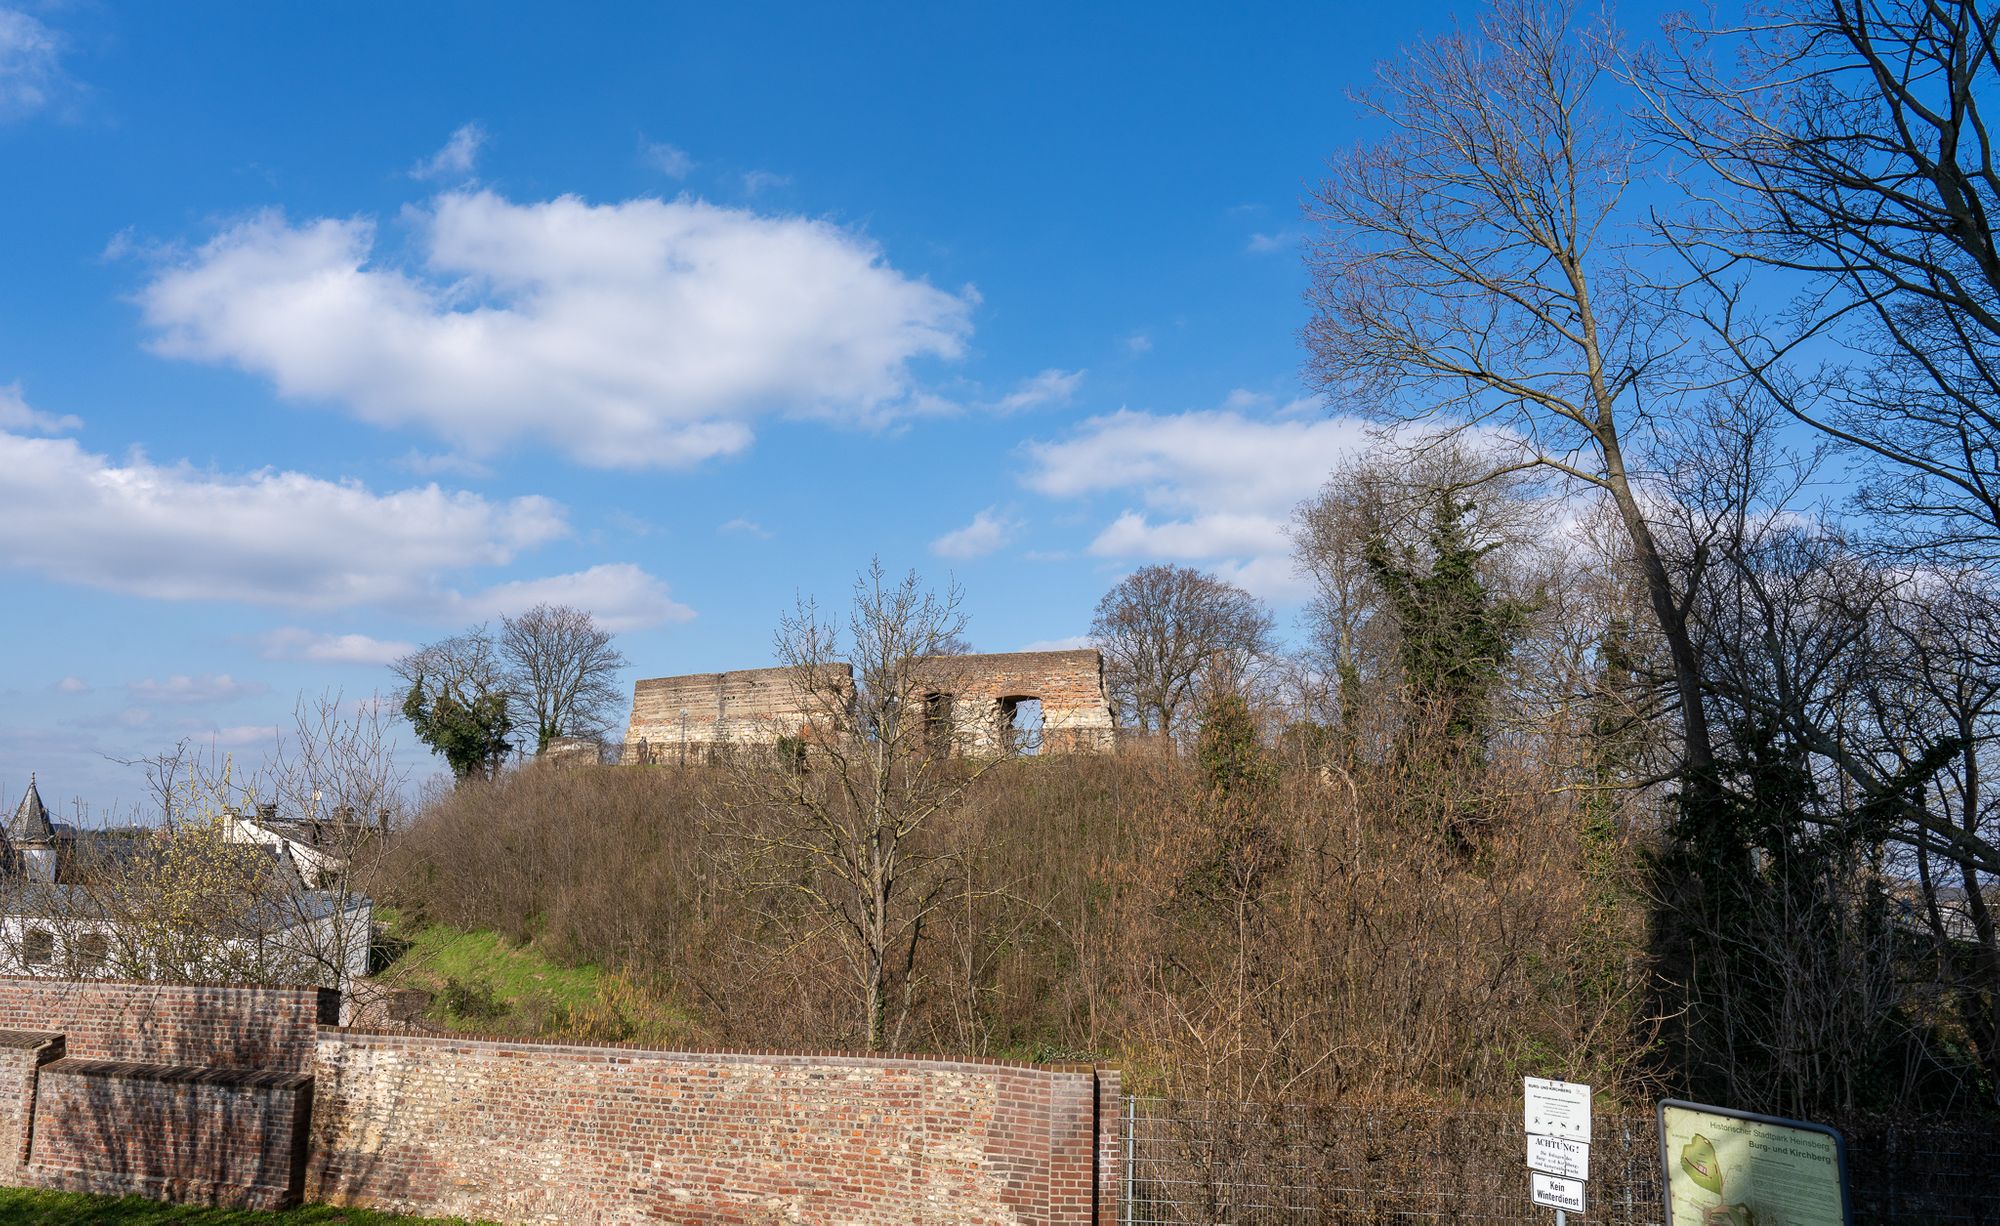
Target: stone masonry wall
{"x": 1076, "y": 710}
{"x": 539, "y": 1133}
{"x": 231, "y": 1137}
{"x": 183, "y": 1024}
{"x": 677, "y": 719}
{"x": 753, "y": 706}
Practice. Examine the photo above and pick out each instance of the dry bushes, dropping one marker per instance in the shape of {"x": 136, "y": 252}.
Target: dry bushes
{"x": 1329, "y": 936}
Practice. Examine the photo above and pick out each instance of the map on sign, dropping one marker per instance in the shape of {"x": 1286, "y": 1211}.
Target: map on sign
{"x": 1733, "y": 1168}
{"x": 1558, "y": 1109}
{"x": 1557, "y": 1156}
{"x": 1553, "y": 1193}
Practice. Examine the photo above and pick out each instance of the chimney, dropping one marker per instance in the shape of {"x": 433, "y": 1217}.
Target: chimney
{"x": 267, "y": 812}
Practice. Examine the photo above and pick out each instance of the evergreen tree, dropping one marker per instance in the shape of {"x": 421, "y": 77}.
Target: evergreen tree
{"x": 1455, "y": 634}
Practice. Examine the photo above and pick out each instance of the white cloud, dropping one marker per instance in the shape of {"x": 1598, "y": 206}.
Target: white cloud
{"x": 269, "y": 537}
{"x": 31, "y": 74}
{"x": 15, "y": 414}
{"x": 72, "y": 685}
{"x": 296, "y": 643}
{"x": 1137, "y": 343}
{"x": 745, "y": 527}
{"x": 987, "y": 532}
{"x": 456, "y": 160}
{"x": 215, "y": 687}
{"x": 1049, "y": 387}
{"x": 442, "y": 464}
{"x": 628, "y": 335}
{"x": 619, "y": 595}
{"x": 236, "y": 736}
{"x": 1068, "y": 643}
{"x": 670, "y": 160}
{"x": 1213, "y": 460}
{"x": 1200, "y": 537}
{"x": 1214, "y": 488}
{"x": 756, "y": 182}
{"x": 1265, "y": 244}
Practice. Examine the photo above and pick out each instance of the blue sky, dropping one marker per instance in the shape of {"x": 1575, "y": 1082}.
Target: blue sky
{"x": 331, "y": 329}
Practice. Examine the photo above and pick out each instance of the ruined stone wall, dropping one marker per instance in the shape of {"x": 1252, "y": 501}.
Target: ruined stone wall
{"x": 1076, "y": 710}
{"x": 752, "y": 706}
{"x": 531, "y": 1132}
{"x": 678, "y": 719}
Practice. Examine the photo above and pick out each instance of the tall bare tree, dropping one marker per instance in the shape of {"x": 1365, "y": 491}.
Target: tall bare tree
{"x": 1851, "y": 165}
{"x": 847, "y": 828}
{"x": 1164, "y": 628}
{"x": 1477, "y": 268}
{"x": 565, "y": 670}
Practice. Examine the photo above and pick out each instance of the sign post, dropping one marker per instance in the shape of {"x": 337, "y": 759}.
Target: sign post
{"x": 1727, "y": 1166}
{"x": 1557, "y": 1114}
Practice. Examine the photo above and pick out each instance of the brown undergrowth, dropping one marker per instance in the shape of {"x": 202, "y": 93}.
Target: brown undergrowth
{"x": 1362, "y": 934}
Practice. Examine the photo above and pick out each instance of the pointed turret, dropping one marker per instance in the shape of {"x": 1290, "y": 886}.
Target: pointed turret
{"x": 31, "y": 819}
{"x": 33, "y": 838}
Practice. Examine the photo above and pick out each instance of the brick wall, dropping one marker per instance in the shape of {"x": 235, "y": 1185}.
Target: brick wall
{"x": 22, "y": 1054}
{"x": 751, "y": 706}
{"x": 241, "y": 1096}
{"x": 206, "y": 1136}
{"x": 546, "y": 1133}
{"x": 1110, "y": 1146}
{"x": 183, "y": 1024}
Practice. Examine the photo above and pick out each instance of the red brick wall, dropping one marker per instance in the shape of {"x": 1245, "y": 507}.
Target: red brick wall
{"x": 544, "y": 1133}
{"x": 192, "y": 1135}
{"x": 1110, "y": 1146}
{"x": 22, "y": 1053}
{"x": 159, "y": 1023}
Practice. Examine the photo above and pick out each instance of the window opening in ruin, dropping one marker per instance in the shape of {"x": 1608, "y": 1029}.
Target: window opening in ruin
{"x": 937, "y": 723}
{"x": 38, "y": 947}
{"x": 93, "y": 950}
{"x": 1021, "y": 724}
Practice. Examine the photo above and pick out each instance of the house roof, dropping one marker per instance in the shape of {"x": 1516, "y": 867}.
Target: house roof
{"x": 31, "y": 819}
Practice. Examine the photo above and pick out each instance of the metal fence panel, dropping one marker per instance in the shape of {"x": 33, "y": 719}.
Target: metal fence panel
{"x": 1192, "y": 1162}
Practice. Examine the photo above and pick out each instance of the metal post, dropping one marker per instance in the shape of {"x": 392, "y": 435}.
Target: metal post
{"x": 1131, "y": 1122}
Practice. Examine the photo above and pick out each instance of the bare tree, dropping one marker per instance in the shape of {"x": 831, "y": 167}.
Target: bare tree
{"x": 1164, "y": 628}
{"x": 847, "y": 828}
{"x": 1477, "y": 265}
{"x": 565, "y": 670}
{"x": 1852, "y": 165}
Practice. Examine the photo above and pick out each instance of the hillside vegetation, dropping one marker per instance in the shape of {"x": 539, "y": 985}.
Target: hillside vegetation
{"x": 1317, "y": 932}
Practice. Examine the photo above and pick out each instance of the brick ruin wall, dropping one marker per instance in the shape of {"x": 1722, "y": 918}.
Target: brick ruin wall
{"x": 752, "y": 706}
{"x": 532, "y": 1132}
{"x": 676, "y": 717}
{"x": 1076, "y": 710}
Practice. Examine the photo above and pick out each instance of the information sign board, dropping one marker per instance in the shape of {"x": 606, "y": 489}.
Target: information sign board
{"x": 1558, "y": 1109}
{"x": 1726, "y": 1166}
{"x": 1556, "y": 1156}
{"x": 1553, "y": 1193}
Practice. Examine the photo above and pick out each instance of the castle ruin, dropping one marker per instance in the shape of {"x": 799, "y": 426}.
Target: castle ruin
{"x": 1008, "y": 702}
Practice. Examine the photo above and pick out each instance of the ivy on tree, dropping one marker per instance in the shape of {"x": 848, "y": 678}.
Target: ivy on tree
{"x": 471, "y": 733}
